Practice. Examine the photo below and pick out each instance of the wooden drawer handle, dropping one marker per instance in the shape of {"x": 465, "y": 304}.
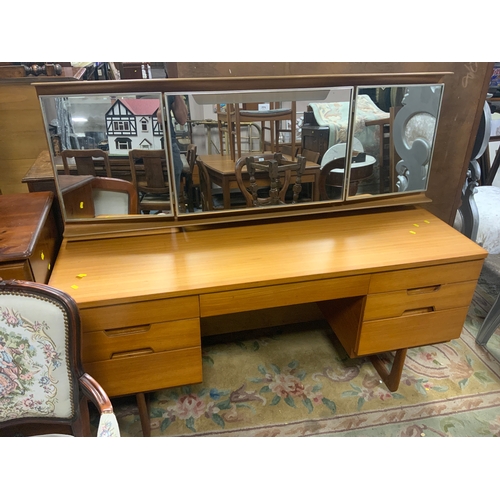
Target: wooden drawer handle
{"x": 128, "y": 354}
{"x": 424, "y": 289}
{"x": 418, "y": 310}
{"x": 131, "y": 330}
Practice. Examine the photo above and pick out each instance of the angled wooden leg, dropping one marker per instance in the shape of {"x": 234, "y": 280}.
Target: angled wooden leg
{"x": 143, "y": 414}
{"x": 391, "y": 379}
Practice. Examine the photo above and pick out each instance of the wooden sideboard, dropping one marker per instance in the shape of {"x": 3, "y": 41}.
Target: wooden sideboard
{"x": 29, "y": 236}
{"x": 386, "y": 280}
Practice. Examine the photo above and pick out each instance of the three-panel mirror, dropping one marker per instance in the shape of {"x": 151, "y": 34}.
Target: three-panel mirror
{"x": 184, "y": 154}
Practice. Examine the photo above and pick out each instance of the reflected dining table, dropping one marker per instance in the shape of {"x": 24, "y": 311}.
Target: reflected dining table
{"x": 222, "y": 173}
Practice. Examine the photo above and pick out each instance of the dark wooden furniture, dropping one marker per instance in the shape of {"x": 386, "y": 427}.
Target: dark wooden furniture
{"x": 154, "y": 191}
{"x": 279, "y": 172}
{"x": 29, "y": 237}
{"x": 221, "y": 170}
{"x": 314, "y": 137}
{"x": 84, "y": 161}
{"x": 206, "y": 194}
{"x": 50, "y": 321}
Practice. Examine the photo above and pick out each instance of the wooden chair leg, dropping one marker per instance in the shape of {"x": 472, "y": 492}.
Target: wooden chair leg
{"x": 143, "y": 414}
{"x": 392, "y": 378}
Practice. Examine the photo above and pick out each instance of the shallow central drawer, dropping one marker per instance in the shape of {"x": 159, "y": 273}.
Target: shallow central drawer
{"x": 139, "y": 313}
{"x": 251, "y": 299}
{"x": 143, "y": 339}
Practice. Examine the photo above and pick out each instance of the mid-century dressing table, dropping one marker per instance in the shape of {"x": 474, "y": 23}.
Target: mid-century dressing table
{"x": 386, "y": 274}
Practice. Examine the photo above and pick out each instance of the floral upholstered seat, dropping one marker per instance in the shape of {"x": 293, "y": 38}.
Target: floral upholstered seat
{"x": 41, "y": 377}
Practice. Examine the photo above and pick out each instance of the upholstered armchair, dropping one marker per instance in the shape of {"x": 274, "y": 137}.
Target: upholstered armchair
{"x": 42, "y": 382}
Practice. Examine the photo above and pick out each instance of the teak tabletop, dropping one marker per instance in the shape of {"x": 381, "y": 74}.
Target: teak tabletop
{"x": 190, "y": 262}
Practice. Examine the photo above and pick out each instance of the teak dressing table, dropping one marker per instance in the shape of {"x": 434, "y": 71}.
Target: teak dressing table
{"x": 386, "y": 280}
{"x": 385, "y": 273}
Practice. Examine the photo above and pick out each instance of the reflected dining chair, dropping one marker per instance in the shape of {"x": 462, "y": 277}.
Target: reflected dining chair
{"x": 279, "y": 174}
{"x": 113, "y": 197}
{"x": 84, "y": 161}
{"x": 273, "y": 117}
{"x": 43, "y": 386}
{"x": 234, "y": 117}
{"x": 154, "y": 190}
{"x": 206, "y": 194}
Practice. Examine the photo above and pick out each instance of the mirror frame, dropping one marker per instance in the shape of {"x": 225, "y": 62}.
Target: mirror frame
{"x": 201, "y": 85}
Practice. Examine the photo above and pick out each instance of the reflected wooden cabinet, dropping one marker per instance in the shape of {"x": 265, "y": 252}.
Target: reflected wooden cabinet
{"x": 29, "y": 237}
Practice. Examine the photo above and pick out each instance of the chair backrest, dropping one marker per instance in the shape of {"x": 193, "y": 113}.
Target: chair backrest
{"x": 153, "y": 162}
{"x": 286, "y": 149}
{"x": 325, "y": 171}
{"x": 279, "y": 174}
{"x": 41, "y": 377}
{"x": 191, "y": 157}
{"x": 312, "y": 156}
{"x": 205, "y": 187}
{"x": 114, "y": 196}
{"x": 84, "y": 161}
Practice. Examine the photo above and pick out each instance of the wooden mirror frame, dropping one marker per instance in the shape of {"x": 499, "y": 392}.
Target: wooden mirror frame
{"x": 193, "y": 85}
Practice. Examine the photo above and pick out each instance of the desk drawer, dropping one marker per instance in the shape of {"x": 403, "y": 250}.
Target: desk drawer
{"x": 413, "y": 300}
{"x": 425, "y": 276}
{"x": 153, "y": 338}
{"x": 251, "y": 299}
{"x": 139, "y": 313}
{"x": 147, "y": 372}
{"x": 16, "y": 270}
{"x": 410, "y": 331}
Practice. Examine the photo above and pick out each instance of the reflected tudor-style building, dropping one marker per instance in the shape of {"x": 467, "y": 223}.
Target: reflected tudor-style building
{"x": 132, "y": 124}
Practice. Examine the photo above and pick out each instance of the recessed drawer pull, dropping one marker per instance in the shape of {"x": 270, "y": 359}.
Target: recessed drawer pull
{"x": 424, "y": 289}
{"x": 131, "y": 330}
{"x": 418, "y": 310}
{"x": 128, "y": 354}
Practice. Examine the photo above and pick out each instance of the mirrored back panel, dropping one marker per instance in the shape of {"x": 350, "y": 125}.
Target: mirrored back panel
{"x": 219, "y": 149}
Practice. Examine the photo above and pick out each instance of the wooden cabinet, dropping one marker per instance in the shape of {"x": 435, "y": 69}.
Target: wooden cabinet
{"x": 406, "y": 308}
{"x": 143, "y": 346}
{"x": 315, "y": 138}
{"x": 29, "y": 237}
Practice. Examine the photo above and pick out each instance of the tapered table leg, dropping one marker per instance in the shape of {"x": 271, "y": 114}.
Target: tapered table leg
{"x": 391, "y": 378}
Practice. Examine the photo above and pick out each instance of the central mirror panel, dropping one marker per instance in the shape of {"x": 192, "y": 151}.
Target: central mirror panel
{"x": 254, "y": 150}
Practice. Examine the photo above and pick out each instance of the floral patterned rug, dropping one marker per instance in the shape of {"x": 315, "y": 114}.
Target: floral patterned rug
{"x": 298, "y": 381}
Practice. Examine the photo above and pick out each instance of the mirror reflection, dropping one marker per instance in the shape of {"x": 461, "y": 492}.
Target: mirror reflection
{"x": 247, "y": 150}
{"x": 182, "y": 154}
{"x": 393, "y": 139}
{"x": 109, "y": 154}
